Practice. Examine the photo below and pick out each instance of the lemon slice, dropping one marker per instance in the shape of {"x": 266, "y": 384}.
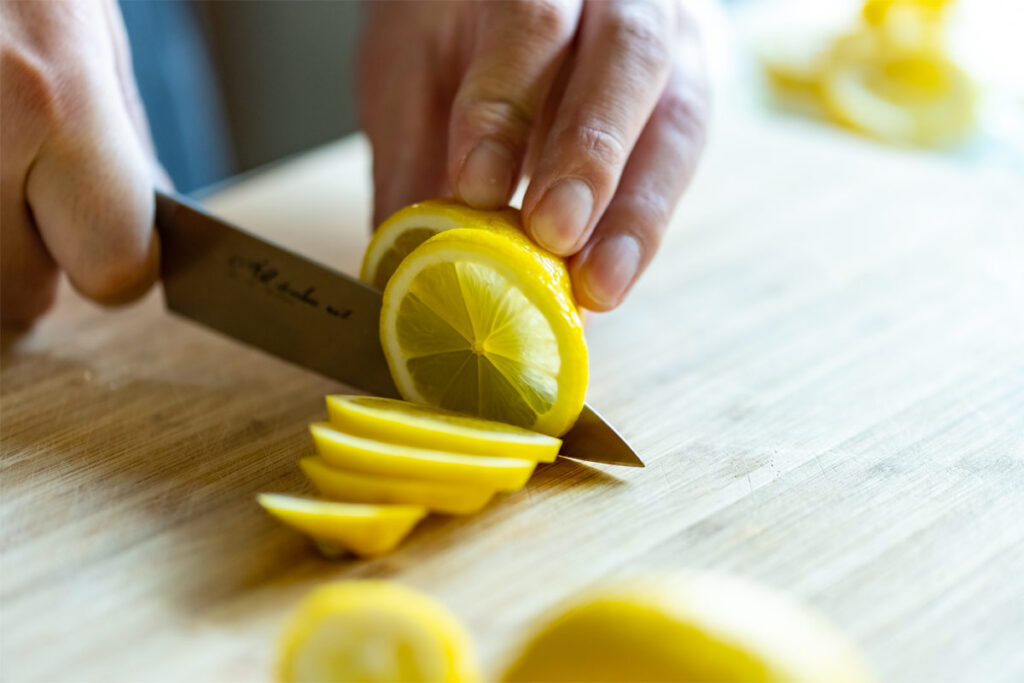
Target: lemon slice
{"x": 376, "y": 632}
{"x": 900, "y": 97}
{"x": 349, "y": 452}
{"x": 793, "y": 60}
{"x": 694, "y": 628}
{"x": 408, "y": 228}
{"x": 362, "y": 529}
{"x": 354, "y": 487}
{"x": 481, "y": 321}
{"x": 411, "y": 424}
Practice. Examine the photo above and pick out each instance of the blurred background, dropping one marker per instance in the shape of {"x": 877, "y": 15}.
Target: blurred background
{"x": 230, "y": 86}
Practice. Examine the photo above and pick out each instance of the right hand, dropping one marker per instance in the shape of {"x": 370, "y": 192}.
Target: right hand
{"x": 78, "y": 166}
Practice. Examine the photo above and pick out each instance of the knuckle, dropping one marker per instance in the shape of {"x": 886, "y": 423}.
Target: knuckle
{"x": 649, "y": 212}
{"x": 601, "y": 146}
{"x": 640, "y": 32}
{"x": 685, "y": 111}
{"x": 489, "y": 113}
{"x": 546, "y": 18}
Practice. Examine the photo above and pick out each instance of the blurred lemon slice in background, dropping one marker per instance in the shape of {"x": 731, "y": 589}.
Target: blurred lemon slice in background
{"x": 481, "y": 321}
{"x": 904, "y": 98}
{"x": 374, "y": 631}
{"x": 427, "y": 427}
{"x": 362, "y": 529}
{"x": 889, "y": 77}
{"x": 695, "y": 627}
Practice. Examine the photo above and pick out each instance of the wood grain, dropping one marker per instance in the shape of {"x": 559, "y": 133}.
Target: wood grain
{"x": 824, "y": 370}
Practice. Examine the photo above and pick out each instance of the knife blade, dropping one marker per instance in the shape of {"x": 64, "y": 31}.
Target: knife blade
{"x": 266, "y": 296}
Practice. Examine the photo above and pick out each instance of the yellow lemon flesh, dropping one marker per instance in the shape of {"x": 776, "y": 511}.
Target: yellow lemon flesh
{"x": 349, "y": 452}
{"x": 698, "y": 628}
{"x": 361, "y": 529}
{"x": 356, "y": 487}
{"x": 422, "y": 426}
{"x": 408, "y": 228}
{"x": 374, "y": 631}
{"x": 479, "y": 320}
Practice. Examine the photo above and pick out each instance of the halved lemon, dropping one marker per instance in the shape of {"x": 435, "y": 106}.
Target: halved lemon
{"x": 697, "y": 627}
{"x": 377, "y": 457}
{"x": 917, "y": 97}
{"x": 362, "y": 529}
{"x": 376, "y": 632}
{"x": 412, "y": 424}
{"x": 479, "y": 320}
{"x": 410, "y": 227}
{"x": 356, "y": 487}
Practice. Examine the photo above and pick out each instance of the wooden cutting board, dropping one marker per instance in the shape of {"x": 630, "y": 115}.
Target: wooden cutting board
{"x": 824, "y": 370}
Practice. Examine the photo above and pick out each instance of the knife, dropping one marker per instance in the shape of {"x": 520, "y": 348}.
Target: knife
{"x": 266, "y": 296}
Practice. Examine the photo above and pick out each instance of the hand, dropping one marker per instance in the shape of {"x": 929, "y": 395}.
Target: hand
{"x": 78, "y": 167}
{"x": 601, "y": 104}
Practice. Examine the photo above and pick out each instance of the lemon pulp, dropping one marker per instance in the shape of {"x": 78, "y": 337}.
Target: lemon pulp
{"x": 409, "y": 227}
{"x": 483, "y": 322}
{"x": 489, "y": 352}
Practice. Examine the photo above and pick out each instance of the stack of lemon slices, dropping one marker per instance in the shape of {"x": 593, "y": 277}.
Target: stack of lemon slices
{"x": 382, "y": 465}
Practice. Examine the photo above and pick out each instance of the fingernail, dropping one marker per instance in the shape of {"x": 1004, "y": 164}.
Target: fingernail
{"x": 610, "y": 268}
{"x": 486, "y": 175}
{"x": 562, "y": 216}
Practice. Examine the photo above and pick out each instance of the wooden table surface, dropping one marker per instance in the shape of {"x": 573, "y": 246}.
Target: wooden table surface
{"x": 824, "y": 370}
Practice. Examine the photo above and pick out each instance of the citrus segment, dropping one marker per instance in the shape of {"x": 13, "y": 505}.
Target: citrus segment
{"x": 376, "y": 632}
{"x": 362, "y": 529}
{"x": 376, "y": 457}
{"x": 356, "y": 487}
{"x": 423, "y": 426}
{"x": 481, "y": 321}
{"x": 407, "y": 228}
{"x": 694, "y": 628}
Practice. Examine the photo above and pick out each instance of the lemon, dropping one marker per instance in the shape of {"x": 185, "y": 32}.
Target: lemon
{"x": 793, "y": 61}
{"x": 692, "y": 628}
{"x": 408, "y": 228}
{"x": 356, "y": 487}
{"x": 901, "y": 97}
{"x": 349, "y": 452}
{"x": 362, "y": 529}
{"x": 410, "y": 424}
{"x": 374, "y": 631}
{"x": 479, "y": 320}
